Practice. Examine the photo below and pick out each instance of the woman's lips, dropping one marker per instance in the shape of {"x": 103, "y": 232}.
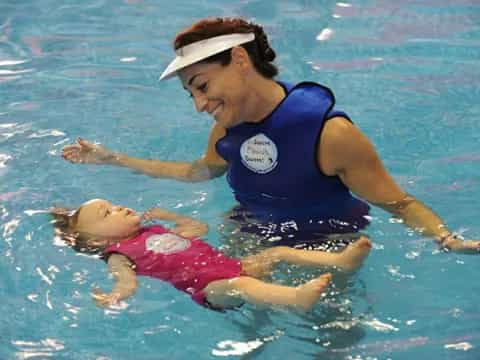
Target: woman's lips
{"x": 217, "y": 110}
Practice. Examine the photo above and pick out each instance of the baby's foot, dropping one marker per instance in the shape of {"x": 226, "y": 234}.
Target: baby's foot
{"x": 352, "y": 257}
{"x": 309, "y": 293}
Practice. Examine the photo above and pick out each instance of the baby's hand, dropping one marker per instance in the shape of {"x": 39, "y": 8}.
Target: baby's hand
{"x": 155, "y": 214}
{"x": 184, "y": 226}
{"x": 190, "y": 228}
{"x": 104, "y": 299}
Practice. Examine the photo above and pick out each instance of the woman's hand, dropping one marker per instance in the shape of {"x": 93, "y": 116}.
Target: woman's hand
{"x": 85, "y": 152}
{"x": 103, "y": 299}
{"x": 455, "y": 243}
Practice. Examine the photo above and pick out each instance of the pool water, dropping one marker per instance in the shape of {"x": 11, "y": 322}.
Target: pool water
{"x": 406, "y": 72}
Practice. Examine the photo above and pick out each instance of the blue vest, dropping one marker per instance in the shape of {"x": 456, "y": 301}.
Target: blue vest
{"x": 272, "y": 165}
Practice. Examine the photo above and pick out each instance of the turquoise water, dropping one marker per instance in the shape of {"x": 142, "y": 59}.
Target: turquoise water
{"x": 407, "y": 74}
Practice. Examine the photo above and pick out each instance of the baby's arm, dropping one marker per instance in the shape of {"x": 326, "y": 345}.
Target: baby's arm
{"x": 125, "y": 281}
{"x": 184, "y": 225}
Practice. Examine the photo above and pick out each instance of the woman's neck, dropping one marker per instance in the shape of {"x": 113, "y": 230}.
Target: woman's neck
{"x": 264, "y": 97}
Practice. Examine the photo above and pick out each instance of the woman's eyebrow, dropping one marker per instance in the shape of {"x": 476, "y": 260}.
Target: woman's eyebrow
{"x": 193, "y": 78}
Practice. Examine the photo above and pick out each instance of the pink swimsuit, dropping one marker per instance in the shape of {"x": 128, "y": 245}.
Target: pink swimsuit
{"x": 188, "y": 264}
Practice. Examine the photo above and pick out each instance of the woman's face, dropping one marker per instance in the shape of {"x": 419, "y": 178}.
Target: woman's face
{"x": 218, "y": 90}
{"x": 107, "y": 223}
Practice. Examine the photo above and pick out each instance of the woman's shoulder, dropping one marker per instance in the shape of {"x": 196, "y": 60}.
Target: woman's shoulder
{"x": 307, "y": 84}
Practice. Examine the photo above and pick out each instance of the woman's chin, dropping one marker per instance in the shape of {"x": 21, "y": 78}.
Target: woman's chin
{"x": 227, "y": 123}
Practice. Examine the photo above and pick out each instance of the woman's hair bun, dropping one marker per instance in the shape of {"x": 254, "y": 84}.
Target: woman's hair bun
{"x": 266, "y": 52}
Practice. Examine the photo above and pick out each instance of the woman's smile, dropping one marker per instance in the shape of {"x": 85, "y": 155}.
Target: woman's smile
{"x": 217, "y": 110}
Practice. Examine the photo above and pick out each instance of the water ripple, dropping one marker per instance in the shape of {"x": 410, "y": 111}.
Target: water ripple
{"x": 3, "y": 160}
{"x": 43, "y": 348}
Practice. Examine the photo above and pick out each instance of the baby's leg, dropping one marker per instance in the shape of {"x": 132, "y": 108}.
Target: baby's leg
{"x": 224, "y": 293}
{"x": 348, "y": 260}
{"x": 260, "y": 265}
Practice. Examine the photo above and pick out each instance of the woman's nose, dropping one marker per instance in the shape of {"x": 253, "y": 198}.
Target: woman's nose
{"x": 200, "y": 102}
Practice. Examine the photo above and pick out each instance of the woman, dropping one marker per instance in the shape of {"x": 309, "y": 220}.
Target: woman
{"x": 291, "y": 159}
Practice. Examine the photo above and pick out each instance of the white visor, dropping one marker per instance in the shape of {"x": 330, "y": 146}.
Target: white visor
{"x": 200, "y": 50}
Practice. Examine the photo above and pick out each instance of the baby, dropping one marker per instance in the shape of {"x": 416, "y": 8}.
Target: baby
{"x": 179, "y": 256}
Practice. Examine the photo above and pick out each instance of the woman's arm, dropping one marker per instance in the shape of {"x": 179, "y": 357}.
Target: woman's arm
{"x": 125, "y": 281}
{"x": 184, "y": 225}
{"x": 346, "y": 152}
{"x": 209, "y": 166}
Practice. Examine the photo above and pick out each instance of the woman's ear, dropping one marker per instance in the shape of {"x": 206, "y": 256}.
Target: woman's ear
{"x": 240, "y": 56}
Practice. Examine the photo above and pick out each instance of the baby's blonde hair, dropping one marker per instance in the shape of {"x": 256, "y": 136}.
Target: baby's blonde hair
{"x": 65, "y": 225}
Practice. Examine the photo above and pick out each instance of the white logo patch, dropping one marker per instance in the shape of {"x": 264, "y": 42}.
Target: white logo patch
{"x": 166, "y": 243}
{"x": 259, "y": 154}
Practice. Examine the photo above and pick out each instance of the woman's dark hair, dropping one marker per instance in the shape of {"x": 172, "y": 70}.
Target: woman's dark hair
{"x": 259, "y": 50}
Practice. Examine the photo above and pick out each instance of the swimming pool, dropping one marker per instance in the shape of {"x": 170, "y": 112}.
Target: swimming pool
{"x": 407, "y": 74}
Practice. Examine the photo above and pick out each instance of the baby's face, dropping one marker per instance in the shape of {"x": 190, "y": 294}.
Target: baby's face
{"x": 106, "y": 222}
